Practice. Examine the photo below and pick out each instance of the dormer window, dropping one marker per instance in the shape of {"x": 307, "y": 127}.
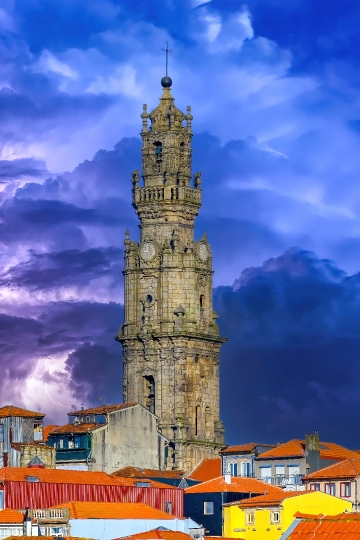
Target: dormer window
{"x": 158, "y": 151}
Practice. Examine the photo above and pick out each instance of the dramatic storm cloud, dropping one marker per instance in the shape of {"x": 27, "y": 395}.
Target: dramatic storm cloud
{"x": 274, "y": 90}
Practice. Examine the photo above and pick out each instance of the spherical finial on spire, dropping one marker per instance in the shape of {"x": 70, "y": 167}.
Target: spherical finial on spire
{"x": 166, "y": 82}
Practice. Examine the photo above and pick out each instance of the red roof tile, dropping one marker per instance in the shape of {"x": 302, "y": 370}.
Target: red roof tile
{"x": 296, "y": 448}
{"x": 248, "y": 447}
{"x": 76, "y": 428}
{"x": 11, "y": 516}
{"x": 343, "y": 526}
{"x": 10, "y": 410}
{"x": 103, "y": 409}
{"x": 48, "y": 429}
{"x": 137, "y": 472}
{"x": 155, "y": 534}
{"x": 238, "y": 484}
{"x": 113, "y": 510}
{"x": 270, "y": 499}
{"x": 19, "y": 445}
{"x": 57, "y": 476}
{"x": 207, "y": 470}
{"x": 46, "y": 538}
{"x": 348, "y": 468}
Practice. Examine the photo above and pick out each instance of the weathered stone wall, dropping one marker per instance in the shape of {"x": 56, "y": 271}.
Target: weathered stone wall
{"x": 47, "y": 454}
{"x": 129, "y": 439}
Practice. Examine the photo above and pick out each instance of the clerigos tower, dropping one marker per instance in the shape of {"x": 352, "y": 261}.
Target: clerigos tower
{"x": 170, "y": 338}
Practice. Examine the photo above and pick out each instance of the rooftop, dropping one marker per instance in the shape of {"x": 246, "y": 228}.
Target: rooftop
{"x": 57, "y": 476}
{"x": 346, "y": 526}
{"x": 75, "y": 428}
{"x": 154, "y": 534}
{"x": 348, "y": 468}
{"x": 20, "y": 445}
{"x": 48, "y": 429}
{"x": 207, "y": 470}
{"x": 113, "y": 510}
{"x": 243, "y": 448}
{"x": 11, "y": 516}
{"x": 270, "y": 499}
{"x": 10, "y": 410}
{"x": 296, "y": 448}
{"x": 238, "y": 485}
{"x": 137, "y": 472}
{"x": 103, "y": 409}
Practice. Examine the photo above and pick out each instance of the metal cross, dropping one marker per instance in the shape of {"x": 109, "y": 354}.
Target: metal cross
{"x": 167, "y": 51}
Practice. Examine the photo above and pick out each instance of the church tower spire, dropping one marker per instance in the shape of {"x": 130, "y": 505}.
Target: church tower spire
{"x": 170, "y": 338}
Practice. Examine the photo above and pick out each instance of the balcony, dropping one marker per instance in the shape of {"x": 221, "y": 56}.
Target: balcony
{"x": 72, "y": 454}
{"x": 282, "y": 480}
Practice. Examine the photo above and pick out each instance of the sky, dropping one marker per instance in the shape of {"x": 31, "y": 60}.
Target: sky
{"x": 274, "y": 90}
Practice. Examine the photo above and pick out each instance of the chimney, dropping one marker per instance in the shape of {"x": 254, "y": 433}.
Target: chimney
{"x": 227, "y": 478}
{"x": 312, "y": 452}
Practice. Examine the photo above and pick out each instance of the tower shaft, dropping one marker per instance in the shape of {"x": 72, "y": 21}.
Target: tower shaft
{"x": 170, "y": 338}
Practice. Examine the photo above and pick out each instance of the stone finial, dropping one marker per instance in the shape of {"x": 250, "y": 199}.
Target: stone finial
{"x": 127, "y": 240}
{"x": 135, "y": 178}
{"x": 197, "y": 180}
{"x": 145, "y": 116}
{"x": 179, "y": 311}
{"x": 189, "y": 117}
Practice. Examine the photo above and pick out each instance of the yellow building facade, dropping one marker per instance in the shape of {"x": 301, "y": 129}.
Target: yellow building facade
{"x": 267, "y": 517}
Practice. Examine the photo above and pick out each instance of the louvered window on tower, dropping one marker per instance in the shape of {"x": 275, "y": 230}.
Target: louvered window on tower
{"x": 158, "y": 151}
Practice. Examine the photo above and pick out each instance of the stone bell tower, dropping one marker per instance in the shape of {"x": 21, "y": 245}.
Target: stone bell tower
{"x": 170, "y": 338}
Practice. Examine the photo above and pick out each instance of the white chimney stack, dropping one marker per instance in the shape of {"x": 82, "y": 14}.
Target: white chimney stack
{"x": 227, "y": 478}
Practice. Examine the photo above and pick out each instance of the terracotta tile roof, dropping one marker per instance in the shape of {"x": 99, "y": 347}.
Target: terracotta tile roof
{"x": 348, "y": 468}
{"x": 238, "y": 484}
{"x": 293, "y": 448}
{"x": 270, "y": 499}
{"x": 248, "y": 447}
{"x": 113, "y": 510}
{"x": 103, "y": 409}
{"x": 207, "y": 470}
{"x": 157, "y": 533}
{"x": 46, "y": 538}
{"x": 10, "y": 410}
{"x": 137, "y": 472}
{"x": 11, "y": 516}
{"x": 57, "y": 476}
{"x": 127, "y": 481}
{"x": 296, "y": 448}
{"x": 76, "y": 428}
{"x": 346, "y": 526}
{"x": 48, "y": 429}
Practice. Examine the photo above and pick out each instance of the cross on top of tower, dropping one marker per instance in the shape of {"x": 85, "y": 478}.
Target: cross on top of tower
{"x": 166, "y": 81}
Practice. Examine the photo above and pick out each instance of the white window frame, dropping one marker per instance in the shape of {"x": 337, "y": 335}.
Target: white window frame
{"x": 315, "y": 486}
{"x": 250, "y": 518}
{"x": 275, "y": 517}
{"x": 207, "y": 509}
{"x": 330, "y": 488}
{"x": 343, "y": 486}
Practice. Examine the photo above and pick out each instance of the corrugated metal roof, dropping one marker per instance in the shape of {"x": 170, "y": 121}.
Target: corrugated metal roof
{"x": 11, "y": 410}
{"x": 113, "y": 510}
{"x": 208, "y": 469}
{"x": 238, "y": 484}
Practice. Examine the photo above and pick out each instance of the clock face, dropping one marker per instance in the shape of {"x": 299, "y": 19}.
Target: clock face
{"x": 203, "y": 252}
{"x": 147, "y": 251}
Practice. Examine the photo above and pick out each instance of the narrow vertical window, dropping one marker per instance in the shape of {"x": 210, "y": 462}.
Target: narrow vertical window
{"x": 202, "y": 301}
{"x": 197, "y": 418}
{"x": 150, "y": 393}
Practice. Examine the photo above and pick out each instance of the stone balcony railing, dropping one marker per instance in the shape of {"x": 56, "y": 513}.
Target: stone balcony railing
{"x": 167, "y": 193}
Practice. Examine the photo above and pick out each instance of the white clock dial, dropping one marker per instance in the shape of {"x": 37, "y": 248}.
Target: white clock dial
{"x": 203, "y": 252}
{"x": 147, "y": 251}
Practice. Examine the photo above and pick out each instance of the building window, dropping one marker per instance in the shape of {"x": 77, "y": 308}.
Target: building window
{"x": 61, "y": 443}
{"x": 197, "y": 419}
{"x": 279, "y": 470}
{"x": 1, "y": 499}
{"x": 202, "y": 301}
{"x": 88, "y": 419}
{"x": 275, "y": 517}
{"x": 315, "y": 487}
{"x": 233, "y": 469}
{"x": 158, "y": 151}
{"x": 330, "y": 488}
{"x": 250, "y": 518}
{"x": 71, "y": 442}
{"x": 77, "y": 442}
{"x": 345, "y": 489}
{"x": 38, "y": 432}
{"x": 56, "y": 531}
{"x": 208, "y": 507}
{"x": 245, "y": 469}
{"x": 150, "y": 393}
{"x": 142, "y": 484}
{"x": 168, "y": 507}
